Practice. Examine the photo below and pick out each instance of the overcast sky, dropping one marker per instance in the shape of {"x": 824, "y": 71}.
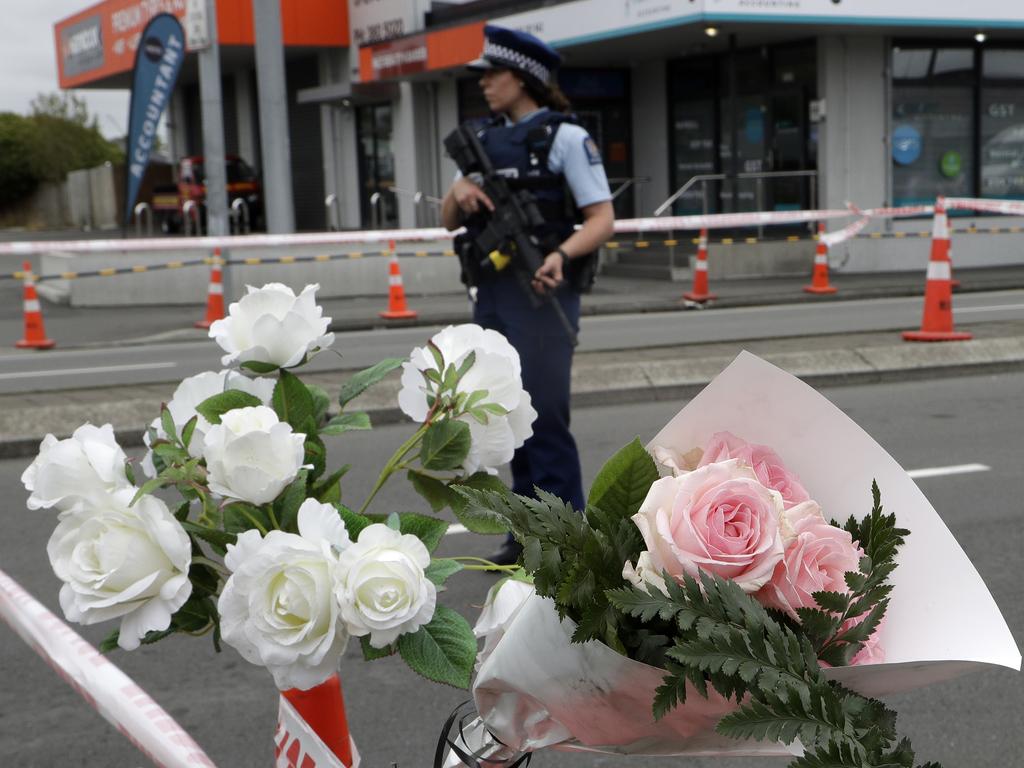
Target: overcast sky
{"x": 28, "y": 62}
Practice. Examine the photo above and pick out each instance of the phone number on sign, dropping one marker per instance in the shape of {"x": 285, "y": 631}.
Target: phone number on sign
{"x": 378, "y": 32}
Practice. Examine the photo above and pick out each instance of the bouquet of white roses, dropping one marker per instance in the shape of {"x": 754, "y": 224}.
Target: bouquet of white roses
{"x": 716, "y": 610}
{"x": 258, "y": 549}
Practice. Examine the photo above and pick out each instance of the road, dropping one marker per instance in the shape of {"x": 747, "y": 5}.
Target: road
{"x": 230, "y": 706}
{"x": 173, "y": 361}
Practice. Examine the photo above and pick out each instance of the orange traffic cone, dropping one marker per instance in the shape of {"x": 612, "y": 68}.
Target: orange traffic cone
{"x": 700, "y": 272}
{"x": 397, "y": 309}
{"x": 323, "y": 709}
{"x": 819, "y": 276}
{"x": 35, "y": 334}
{"x": 937, "y": 321}
{"x": 214, "y": 294}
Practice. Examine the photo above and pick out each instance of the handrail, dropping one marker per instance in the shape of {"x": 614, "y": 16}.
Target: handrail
{"x": 333, "y": 207}
{"x": 240, "y": 216}
{"x": 190, "y": 216}
{"x": 138, "y": 211}
{"x": 375, "y": 200}
{"x": 627, "y": 182}
{"x": 703, "y": 178}
{"x": 419, "y": 200}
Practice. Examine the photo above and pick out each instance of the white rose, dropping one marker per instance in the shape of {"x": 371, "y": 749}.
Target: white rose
{"x": 644, "y": 574}
{"x": 273, "y": 325}
{"x": 278, "y": 607}
{"x": 85, "y": 468}
{"x": 381, "y": 586}
{"x": 122, "y": 562}
{"x": 496, "y": 369}
{"x": 190, "y": 393}
{"x": 252, "y": 455}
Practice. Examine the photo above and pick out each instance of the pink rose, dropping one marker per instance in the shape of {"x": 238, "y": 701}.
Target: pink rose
{"x": 765, "y": 462}
{"x": 719, "y": 519}
{"x": 816, "y": 559}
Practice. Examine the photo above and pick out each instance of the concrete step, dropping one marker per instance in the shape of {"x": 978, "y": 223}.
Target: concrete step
{"x": 646, "y": 271}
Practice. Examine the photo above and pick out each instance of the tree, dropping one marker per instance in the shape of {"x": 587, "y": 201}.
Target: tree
{"x": 17, "y": 177}
{"x": 64, "y": 105}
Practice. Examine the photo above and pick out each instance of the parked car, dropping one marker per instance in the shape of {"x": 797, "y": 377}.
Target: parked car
{"x": 242, "y": 184}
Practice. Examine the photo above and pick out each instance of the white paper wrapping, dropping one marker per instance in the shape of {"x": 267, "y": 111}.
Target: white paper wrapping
{"x": 537, "y": 690}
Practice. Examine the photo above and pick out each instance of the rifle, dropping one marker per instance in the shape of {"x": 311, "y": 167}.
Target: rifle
{"x": 508, "y": 229}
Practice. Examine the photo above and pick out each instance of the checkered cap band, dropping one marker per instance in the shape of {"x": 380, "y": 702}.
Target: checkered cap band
{"x": 517, "y": 60}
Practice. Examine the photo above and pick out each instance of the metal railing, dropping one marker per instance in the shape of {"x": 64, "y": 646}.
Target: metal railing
{"x": 140, "y": 212}
{"x": 333, "y": 206}
{"x": 421, "y": 201}
{"x": 375, "y": 215}
{"x": 240, "y": 216}
{"x": 190, "y": 216}
{"x": 757, "y": 176}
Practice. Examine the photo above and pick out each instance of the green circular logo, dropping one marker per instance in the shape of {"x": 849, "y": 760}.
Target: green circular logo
{"x": 951, "y": 164}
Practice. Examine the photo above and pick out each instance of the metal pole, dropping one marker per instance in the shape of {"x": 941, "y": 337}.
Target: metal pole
{"x": 273, "y": 98}
{"x": 734, "y": 138}
{"x": 213, "y": 130}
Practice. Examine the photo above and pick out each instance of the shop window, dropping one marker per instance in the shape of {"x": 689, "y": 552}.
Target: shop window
{"x": 932, "y": 124}
{"x": 1002, "y": 124}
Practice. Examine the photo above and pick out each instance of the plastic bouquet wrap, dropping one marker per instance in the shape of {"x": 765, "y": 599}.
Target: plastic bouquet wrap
{"x": 233, "y": 526}
{"x": 735, "y": 588}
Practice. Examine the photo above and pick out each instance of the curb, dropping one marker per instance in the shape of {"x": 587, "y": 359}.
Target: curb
{"x": 598, "y": 383}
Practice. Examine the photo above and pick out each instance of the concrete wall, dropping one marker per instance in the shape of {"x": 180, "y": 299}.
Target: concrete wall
{"x": 92, "y": 198}
{"x": 416, "y": 144}
{"x": 650, "y": 134}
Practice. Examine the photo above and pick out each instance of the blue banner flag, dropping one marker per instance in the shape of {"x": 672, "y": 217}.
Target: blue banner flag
{"x": 158, "y": 60}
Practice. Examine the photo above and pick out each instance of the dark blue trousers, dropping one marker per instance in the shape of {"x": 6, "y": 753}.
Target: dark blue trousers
{"x": 548, "y": 459}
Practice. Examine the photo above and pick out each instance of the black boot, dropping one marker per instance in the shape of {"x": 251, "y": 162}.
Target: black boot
{"x": 508, "y": 554}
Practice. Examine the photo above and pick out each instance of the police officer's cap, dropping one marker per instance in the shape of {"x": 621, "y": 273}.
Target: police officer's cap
{"x": 521, "y": 51}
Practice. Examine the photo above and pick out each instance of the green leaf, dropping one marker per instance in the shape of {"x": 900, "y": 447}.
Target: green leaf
{"x": 443, "y": 651}
{"x": 188, "y": 430}
{"x": 372, "y": 654}
{"x": 109, "y": 643}
{"x": 346, "y": 422}
{"x": 212, "y": 408}
{"x": 286, "y": 505}
{"x": 257, "y": 366}
{"x": 241, "y": 516}
{"x": 354, "y": 522}
{"x": 149, "y": 486}
{"x": 167, "y": 422}
{"x": 671, "y": 692}
{"x": 328, "y": 491}
{"x": 366, "y": 378}
{"x": 478, "y": 518}
{"x": 440, "y": 569}
{"x": 293, "y": 402}
{"x": 321, "y": 402}
{"x": 445, "y": 445}
{"x": 637, "y": 602}
{"x": 624, "y": 480}
{"x": 219, "y": 539}
{"x": 429, "y": 530}
{"x": 434, "y": 491}
{"x": 195, "y": 615}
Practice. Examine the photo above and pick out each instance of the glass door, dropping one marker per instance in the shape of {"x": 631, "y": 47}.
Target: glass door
{"x": 376, "y": 166}
{"x": 785, "y": 150}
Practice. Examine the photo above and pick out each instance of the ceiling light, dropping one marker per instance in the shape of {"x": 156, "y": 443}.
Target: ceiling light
{"x": 711, "y": 31}
{"x": 980, "y": 37}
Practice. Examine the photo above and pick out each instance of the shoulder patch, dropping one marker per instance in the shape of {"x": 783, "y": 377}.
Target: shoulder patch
{"x": 593, "y": 153}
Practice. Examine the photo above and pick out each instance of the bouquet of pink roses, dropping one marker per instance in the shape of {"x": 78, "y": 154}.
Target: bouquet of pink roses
{"x": 721, "y": 609}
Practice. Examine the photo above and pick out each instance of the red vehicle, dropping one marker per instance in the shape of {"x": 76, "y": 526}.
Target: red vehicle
{"x": 242, "y": 184}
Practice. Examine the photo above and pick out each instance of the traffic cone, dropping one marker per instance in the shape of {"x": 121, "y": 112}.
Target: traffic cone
{"x": 819, "y": 277}
{"x": 35, "y": 333}
{"x": 700, "y": 273}
{"x": 397, "y": 309}
{"x": 937, "y": 320}
{"x": 322, "y": 707}
{"x": 214, "y": 294}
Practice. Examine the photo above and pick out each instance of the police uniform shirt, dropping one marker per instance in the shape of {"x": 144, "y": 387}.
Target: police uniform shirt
{"x": 575, "y": 155}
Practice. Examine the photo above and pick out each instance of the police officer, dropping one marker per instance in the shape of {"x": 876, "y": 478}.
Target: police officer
{"x": 533, "y": 141}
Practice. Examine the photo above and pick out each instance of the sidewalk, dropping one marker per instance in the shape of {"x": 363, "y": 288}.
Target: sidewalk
{"x": 634, "y": 375}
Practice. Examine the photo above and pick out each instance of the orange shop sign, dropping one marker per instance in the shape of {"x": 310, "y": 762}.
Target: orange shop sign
{"x": 439, "y": 50}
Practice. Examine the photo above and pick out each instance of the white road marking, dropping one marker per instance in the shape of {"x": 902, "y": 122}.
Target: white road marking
{"x": 994, "y": 308}
{"x": 956, "y": 469}
{"x": 78, "y": 371}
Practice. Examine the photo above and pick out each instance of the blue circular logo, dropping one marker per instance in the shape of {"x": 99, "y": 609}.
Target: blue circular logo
{"x": 906, "y": 144}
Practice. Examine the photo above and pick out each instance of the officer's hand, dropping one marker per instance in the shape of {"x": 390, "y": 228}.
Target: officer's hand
{"x": 549, "y": 276}
{"x": 469, "y": 197}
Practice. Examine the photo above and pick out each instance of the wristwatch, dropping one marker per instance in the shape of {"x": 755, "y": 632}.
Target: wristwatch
{"x": 565, "y": 256}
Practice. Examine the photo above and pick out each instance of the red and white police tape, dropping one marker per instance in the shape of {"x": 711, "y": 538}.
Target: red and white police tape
{"x": 107, "y": 689}
{"x": 1011, "y": 207}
